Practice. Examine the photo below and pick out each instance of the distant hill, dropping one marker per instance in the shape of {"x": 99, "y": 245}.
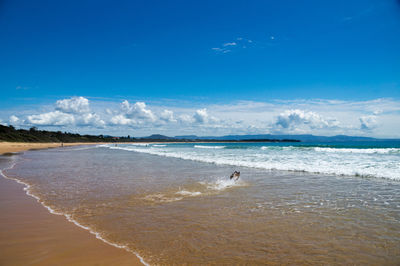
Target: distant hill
{"x": 158, "y": 137}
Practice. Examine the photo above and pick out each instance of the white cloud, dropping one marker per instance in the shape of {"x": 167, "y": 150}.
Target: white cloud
{"x": 201, "y": 116}
{"x": 221, "y": 50}
{"x": 291, "y": 119}
{"x": 377, "y": 112}
{"x": 133, "y": 115}
{"x": 14, "y": 120}
{"x": 167, "y": 116}
{"x": 239, "y": 43}
{"x": 68, "y": 112}
{"x": 90, "y": 119}
{"x": 137, "y": 111}
{"x": 109, "y": 111}
{"x": 230, "y": 44}
{"x": 73, "y": 105}
{"x": 186, "y": 119}
{"x": 55, "y": 118}
{"x": 368, "y": 122}
{"x": 138, "y": 114}
{"x": 379, "y": 117}
{"x": 122, "y": 120}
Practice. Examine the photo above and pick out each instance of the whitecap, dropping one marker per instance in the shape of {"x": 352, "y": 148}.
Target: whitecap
{"x": 209, "y": 147}
{"x": 352, "y": 150}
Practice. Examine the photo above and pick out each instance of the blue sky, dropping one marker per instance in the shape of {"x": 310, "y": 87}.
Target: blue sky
{"x": 192, "y": 58}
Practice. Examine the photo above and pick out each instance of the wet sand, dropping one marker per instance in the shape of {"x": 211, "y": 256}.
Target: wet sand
{"x": 30, "y": 235}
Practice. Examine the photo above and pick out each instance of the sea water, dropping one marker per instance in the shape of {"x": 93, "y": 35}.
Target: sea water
{"x": 295, "y": 203}
{"x": 367, "y": 159}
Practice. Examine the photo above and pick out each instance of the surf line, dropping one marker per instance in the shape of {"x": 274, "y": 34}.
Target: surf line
{"x": 27, "y": 189}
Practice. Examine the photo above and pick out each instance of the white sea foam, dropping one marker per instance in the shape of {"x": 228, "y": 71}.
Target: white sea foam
{"x": 275, "y": 148}
{"x": 222, "y": 184}
{"x": 102, "y": 145}
{"x": 207, "y": 188}
{"x": 161, "y": 198}
{"x": 209, "y": 147}
{"x": 28, "y": 190}
{"x": 189, "y": 193}
{"x": 367, "y": 151}
{"x": 140, "y": 144}
{"x": 159, "y": 145}
{"x": 171, "y": 196}
{"x": 380, "y": 163}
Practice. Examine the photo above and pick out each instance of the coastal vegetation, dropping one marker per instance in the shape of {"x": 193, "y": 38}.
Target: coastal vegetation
{"x": 11, "y": 134}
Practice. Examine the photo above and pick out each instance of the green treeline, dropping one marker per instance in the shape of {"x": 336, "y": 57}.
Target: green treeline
{"x": 34, "y": 135}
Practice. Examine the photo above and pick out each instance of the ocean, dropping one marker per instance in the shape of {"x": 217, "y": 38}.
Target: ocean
{"x": 295, "y": 203}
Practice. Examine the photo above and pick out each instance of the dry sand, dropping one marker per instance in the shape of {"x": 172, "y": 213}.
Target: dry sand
{"x": 30, "y": 235}
{"x": 8, "y": 147}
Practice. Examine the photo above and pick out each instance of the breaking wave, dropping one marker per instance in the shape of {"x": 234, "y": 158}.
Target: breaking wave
{"x": 208, "y": 147}
{"x": 372, "y": 162}
{"x": 366, "y": 151}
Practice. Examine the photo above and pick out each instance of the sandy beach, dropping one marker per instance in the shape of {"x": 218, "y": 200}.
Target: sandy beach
{"x": 9, "y": 147}
{"x": 30, "y": 235}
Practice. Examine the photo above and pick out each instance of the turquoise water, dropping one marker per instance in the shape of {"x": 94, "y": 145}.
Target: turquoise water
{"x": 365, "y": 159}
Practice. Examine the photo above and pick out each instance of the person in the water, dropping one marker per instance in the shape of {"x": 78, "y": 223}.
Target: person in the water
{"x": 235, "y": 175}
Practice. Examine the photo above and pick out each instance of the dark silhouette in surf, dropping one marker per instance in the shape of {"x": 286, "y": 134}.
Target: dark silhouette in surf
{"x": 235, "y": 175}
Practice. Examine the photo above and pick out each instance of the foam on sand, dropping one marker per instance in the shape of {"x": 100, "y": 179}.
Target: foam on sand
{"x": 171, "y": 196}
{"x": 222, "y": 184}
{"x": 188, "y": 193}
{"x": 202, "y": 188}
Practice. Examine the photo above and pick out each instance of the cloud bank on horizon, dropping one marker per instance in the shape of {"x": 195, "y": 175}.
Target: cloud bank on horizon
{"x": 378, "y": 118}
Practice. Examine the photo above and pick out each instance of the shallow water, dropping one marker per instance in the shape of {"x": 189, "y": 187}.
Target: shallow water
{"x": 175, "y": 211}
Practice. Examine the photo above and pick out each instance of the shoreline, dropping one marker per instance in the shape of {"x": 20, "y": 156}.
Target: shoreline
{"x": 15, "y": 147}
{"x": 32, "y": 233}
